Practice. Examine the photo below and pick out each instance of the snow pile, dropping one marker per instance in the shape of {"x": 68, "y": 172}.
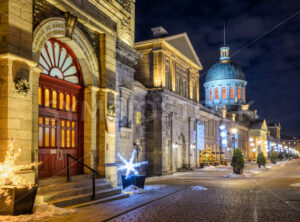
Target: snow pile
{"x": 233, "y": 175}
{"x": 295, "y": 185}
{"x": 198, "y": 188}
{"x": 147, "y": 188}
{"x": 41, "y": 212}
{"x": 212, "y": 168}
{"x": 257, "y": 170}
{"x": 269, "y": 166}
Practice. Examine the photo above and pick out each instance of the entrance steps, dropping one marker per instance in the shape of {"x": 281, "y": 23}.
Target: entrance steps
{"x": 77, "y": 193}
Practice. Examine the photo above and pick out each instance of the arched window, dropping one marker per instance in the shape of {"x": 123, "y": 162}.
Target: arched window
{"x": 216, "y": 93}
{"x": 210, "y": 94}
{"x": 223, "y": 92}
{"x": 239, "y": 92}
{"x": 231, "y": 92}
{"x": 57, "y": 61}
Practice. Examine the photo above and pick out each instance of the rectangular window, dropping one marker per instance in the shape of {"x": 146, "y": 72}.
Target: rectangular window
{"x": 61, "y": 100}
{"x": 210, "y": 94}
{"x": 239, "y": 92}
{"x": 53, "y": 137}
{"x": 47, "y": 97}
{"x": 138, "y": 118}
{"x": 47, "y": 132}
{"x": 216, "y": 93}
{"x": 73, "y": 138}
{"x": 231, "y": 92}
{"x": 74, "y": 104}
{"x": 54, "y": 99}
{"x": 47, "y": 136}
{"x": 68, "y": 138}
{"x": 68, "y": 102}
{"x": 40, "y": 96}
{"x": 41, "y": 135}
{"x": 223, "y": 93}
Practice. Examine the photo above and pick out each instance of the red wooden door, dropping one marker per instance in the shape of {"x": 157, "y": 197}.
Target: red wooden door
{"x": 60, "y": 125}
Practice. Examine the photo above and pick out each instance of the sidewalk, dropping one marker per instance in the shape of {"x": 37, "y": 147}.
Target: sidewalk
{"x": 99, "y": 212}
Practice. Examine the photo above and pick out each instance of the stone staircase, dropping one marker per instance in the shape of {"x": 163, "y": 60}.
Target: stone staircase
{"x": 77, "y": 193}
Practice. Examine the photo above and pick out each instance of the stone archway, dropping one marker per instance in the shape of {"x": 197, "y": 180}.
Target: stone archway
{"x": 54, "y": 28}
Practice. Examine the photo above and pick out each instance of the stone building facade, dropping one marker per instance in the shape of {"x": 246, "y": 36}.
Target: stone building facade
{"x": 176, "y": 125}
{"x": 73, "y": 54}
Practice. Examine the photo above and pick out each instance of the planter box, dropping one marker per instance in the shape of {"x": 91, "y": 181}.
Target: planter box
{"x": 21, "y": 200}
{"x": 138, "y": 181}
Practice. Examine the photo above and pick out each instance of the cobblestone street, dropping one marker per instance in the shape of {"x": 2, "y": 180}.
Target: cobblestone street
{"x": 265, "y": 197}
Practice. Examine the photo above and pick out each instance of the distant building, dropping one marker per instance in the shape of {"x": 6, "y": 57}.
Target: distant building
{"x": 225, "y": 84}
{"x": 290, "y": 142}
{"x": 178, "y": 129}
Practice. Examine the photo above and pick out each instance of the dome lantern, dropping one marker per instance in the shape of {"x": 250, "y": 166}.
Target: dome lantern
{"x": 224, "y": 54}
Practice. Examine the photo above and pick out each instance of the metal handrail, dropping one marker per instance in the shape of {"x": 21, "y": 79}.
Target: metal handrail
{"x": 92, "y": 170}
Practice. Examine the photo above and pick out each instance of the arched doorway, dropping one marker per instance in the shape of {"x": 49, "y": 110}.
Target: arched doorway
{"x": 60, "y": 105}
{"x": 180, "y": 152}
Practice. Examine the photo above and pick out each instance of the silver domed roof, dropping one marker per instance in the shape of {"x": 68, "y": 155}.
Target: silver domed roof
{"x": 225, "y": 70}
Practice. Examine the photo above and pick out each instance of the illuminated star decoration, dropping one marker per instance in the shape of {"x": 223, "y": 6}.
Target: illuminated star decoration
{"x": 129, "y": 165}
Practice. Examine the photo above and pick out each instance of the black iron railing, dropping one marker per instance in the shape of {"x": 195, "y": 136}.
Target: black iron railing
{"x": 94, "y": 172}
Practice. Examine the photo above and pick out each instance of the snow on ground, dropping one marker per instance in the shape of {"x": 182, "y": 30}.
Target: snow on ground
{"x": 41, "y": 212}
{"x": 257, "y": 170}
{"x": 282, "y": 163}
{"x": 270, "y": 165}
{"x": 147, "y": 188}
{"x": 198, "y": 188}
{"x": 212, "y": 168}
{"x": 295, "y": 185}
{"x": 232, "y": 175}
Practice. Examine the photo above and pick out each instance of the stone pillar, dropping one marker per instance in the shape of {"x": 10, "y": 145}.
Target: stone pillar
{"x": 197, "y": 149}
{"x": 106, "y": 152}
{"x": 172, "y": 70}
{"x": 90, "y": 127}
{"x": 173, "y": 141}
{"x": 157, "y": 68}
{"x": 19, "y": 112}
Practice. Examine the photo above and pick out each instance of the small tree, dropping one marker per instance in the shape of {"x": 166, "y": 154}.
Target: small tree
{"x": 261, "y": 160}
{"x": 237, "y": 162}
{"x": 273, "y": 157}
{"x": 280, "y": 156}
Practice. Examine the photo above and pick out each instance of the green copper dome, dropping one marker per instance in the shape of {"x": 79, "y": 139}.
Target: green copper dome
{"x": 225, "y": 70}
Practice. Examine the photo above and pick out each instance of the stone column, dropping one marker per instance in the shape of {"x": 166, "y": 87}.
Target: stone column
{"x": 157, "y": 68}
{"x": 90, "y": 127}
{"x": 19, "y": 112}
{"x": 173, "y": 141}
{"x": 172, "y": 70}
{"x": 106, "y": 140}
{"x": 197, "y": 149}
{"x": 190, "y": 142}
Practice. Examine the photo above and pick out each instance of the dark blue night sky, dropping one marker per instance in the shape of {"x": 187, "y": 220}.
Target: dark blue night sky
{"x": 271, "y": 63}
